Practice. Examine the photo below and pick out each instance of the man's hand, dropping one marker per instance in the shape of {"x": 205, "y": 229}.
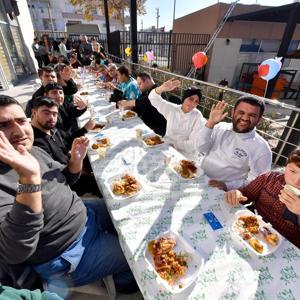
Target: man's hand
{"x": 110, "y": 85}
{"x": 126, "y": 104}
{"x": 291, "y": 201}
{"x": 20, "y": 160}
{"x": 234, "y": 197}
{"x": 217, "y": 114}
{"x": 217, "y": 184}
{"x": 66, "y": 73}
{"x": 90, "y": 124}
{"x": 79, "y": 103}
{"x": 79, "y": 149}
{"x": 168, "y": 86}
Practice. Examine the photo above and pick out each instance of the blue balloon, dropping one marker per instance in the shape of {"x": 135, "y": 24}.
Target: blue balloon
{"x": 275, "y": 65}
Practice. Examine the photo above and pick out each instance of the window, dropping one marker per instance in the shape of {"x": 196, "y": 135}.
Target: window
{"x": 48, "y": 24}
{"x": 250, "y": 45}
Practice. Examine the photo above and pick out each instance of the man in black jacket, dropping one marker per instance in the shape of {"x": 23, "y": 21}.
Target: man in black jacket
{"x": 49, "y": 76}
{"x": 68, "y": 114}
{"x": 50, "y": 139}
{"x": 143, "y": 107}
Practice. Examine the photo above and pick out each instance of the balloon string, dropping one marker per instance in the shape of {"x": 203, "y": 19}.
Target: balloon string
{"x": 266, "y": 88}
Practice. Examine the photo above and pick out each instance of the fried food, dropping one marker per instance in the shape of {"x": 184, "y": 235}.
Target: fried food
{"x": 169, "y": 265}
{"x": 256, "y": 245}
{"x": 271, "y": 238}
{"x": 84, "y": 93}
{"x": 153, "y": 140}
{"x": 186, "y": 169}
{"x": 126, "y": 186}
{"x": 101, "y": 142}
{"x": 129, "y": 114}
{"x": 249, "y": 223}
{"x": 98, "y": 126}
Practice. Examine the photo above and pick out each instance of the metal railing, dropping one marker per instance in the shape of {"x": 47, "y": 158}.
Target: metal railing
{"x": 276, "y": 130}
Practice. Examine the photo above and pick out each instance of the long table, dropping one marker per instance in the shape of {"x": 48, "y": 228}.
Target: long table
{"x": 166, "y": 202}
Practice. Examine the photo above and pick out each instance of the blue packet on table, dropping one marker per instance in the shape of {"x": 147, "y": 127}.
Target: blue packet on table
{"x": 212, "y": 220}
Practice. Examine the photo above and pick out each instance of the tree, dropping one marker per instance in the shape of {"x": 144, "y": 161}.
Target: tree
{"x": 115, "y": 7}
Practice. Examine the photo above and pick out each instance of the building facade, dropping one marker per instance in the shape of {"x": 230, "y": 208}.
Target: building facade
{"x": 57, "y": 15}
{"x": 239, "y": 42}
{"x": 16, "y": 37}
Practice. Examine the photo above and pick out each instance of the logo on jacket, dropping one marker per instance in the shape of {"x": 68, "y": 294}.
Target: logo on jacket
{"x": 240, "y": 153}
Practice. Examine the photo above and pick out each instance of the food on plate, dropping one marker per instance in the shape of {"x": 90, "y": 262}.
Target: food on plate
{"x": 99, "y": 126}
{"x": 128, "y": 114}
{"x": 127, "y": 185}
{"x": 169, "y": 265}
{"x": 84, "y": 93}
{"x": 153, "y": 140}
{"x": 249, "y": 223}
{"x": 186, "y": 169}
{"x": 271, "y": 238}
{"x": 256, "y": 245}
{"x": 101, "y": 142}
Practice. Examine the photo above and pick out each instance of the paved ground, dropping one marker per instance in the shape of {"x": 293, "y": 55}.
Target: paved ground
{"x": 24, "y": 90}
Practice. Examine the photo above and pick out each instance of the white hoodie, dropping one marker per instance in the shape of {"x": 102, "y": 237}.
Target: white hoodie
{"x": 233, "y": 157}
{"x": 182, "y": 128}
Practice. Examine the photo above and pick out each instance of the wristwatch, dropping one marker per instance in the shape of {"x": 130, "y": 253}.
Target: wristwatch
{"x": 28, "y": 188}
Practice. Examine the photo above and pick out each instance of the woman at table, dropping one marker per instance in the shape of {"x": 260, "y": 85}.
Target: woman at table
{"x": 275, "y": 202}
{"x": 183, "y": 121}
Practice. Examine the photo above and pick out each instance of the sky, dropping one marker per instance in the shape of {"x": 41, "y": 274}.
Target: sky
{"x": 184, "y": 7}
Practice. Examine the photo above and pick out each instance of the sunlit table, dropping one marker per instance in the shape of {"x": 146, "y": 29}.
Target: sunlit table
{"x": 167, "y": 202}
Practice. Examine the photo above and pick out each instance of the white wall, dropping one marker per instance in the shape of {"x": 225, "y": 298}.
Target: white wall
{"x": 223, "y": 60}
{"x": 27, "y": 33}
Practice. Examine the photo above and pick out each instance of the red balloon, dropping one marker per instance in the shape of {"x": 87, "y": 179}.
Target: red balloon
{"x": 263, "y": 70}
{"x": 199, "y": 59}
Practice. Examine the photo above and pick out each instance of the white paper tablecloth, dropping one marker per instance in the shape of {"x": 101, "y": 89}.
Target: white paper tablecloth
{"x": 231, "y": 271}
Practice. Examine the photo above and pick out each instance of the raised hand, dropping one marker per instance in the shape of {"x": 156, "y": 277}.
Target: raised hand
{"x": 79, "y": 102}
{"x": 217, "y": 114}
{"x": 79, "y": 149}
{"x": 90, "y": 124}
{"x": 168, "y": 86}
{"x": 66, "y": 73}
{"x": 20, "y": 160}
{"x": 234, "y": 197}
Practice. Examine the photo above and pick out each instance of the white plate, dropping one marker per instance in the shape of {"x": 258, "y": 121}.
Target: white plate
{"x": 195, "y": 262}
{"x": 268, "y": 248}
{"x": 125, "y": 119}
{"x": 151, "y": 135}
{"x": 108, "y": 183}
{"x": 174, "y": 162}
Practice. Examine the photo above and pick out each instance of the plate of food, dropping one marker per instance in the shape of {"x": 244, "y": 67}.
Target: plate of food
{"x": 255, "y": 234}
{"x": 175, "y": 262}
{"x": 98, "y": 127}
{"x": 128, "y": 115}
{"x": 123, "y": 186}
{"x": 101, "y": 142}
{"x": 186, "y": 169}
{"x": 152, "y": 140}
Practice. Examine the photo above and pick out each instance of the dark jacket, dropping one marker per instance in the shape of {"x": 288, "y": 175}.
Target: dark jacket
{"x": 69, "y": 89}
{"x": 52, "y": 144}
{"x": 149, "y": 114}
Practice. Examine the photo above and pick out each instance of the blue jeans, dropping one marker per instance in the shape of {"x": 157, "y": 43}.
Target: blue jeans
{"x": 95, "y": 254}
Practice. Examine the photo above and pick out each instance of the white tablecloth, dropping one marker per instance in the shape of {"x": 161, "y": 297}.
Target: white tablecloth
{"x": 230, "y": 271}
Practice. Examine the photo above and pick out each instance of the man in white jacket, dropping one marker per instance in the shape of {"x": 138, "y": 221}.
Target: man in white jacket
{"x": 234, "y": 152}
{"x": 183, "y": 121}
